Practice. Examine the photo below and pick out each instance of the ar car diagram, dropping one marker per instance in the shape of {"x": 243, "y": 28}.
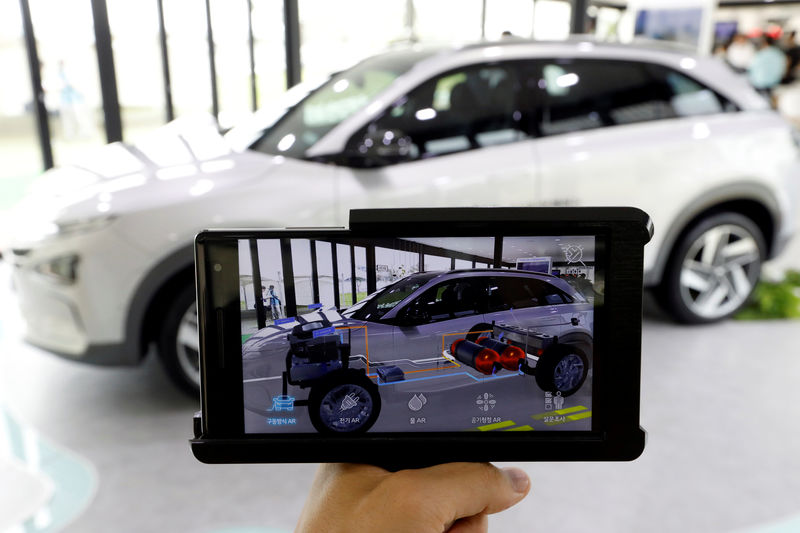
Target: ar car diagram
{"x": 445, "y": 330}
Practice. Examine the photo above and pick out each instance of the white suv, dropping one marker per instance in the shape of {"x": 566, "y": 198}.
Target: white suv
{"x": 106, "y": 268}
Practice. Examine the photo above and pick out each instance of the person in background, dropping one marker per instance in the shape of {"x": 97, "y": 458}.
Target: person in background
{"x": 768, "y": 67}
{"x": 274, "y": 303}
{"x": 740, "y": 52}
{"x": 792, "y": 51}
{"x": 271, "y": 301}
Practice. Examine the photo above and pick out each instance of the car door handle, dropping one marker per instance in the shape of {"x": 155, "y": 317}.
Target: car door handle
{"x": 575, "y": 321}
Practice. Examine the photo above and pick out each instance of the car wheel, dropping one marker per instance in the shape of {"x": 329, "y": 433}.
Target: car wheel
{"x": 562, "y": 368}
{"x": 713, "y": 269}
{"x": 347, "y": 401}
{"x": 178, "y": 344}
{"x": 478, "y": 330}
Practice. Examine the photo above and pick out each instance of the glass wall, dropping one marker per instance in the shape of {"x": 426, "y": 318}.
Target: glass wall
{"x": 137, "y": 61}
{"x": 187, "y": 46}
{"x": 514, "y": 16}
{"x": 65, "y": 40}
{"x": 270, "y": 51}
{"x": 335, "y": 35}
{"x": 447, "y": 21}
{"x": 232, "y": 59}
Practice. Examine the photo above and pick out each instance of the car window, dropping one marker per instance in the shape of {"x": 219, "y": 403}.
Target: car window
{"x": 582, "y": 94}
{"x": 339, "y": 98}
{"x": 450, "y": 299}
{"x": 387, "y": 299}
{"x": 507, "y": 292}
{"x": 460, "y": 110}
{"x": 518, "y": 292}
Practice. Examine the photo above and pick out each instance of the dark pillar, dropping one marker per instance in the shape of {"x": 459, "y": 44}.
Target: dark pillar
{"x": 288, "y": 277}
{"x": 252, "y": 51}
{"x": 372, "y": 279}
{"x": 108, "y": 76}
{"x": 353, "y": 285}
{"x": 291, "y": 24}
{"x": 314, "y": 272}
{"x": 169, "y": 110}
{"x": 498, "y": 251}
{"x": 579, "y": 16}
{"x": 261, "y": 314}
{"x": 212, "y": 62}
{"x": 37, "y": 92}
{"x": 335, "y": 264}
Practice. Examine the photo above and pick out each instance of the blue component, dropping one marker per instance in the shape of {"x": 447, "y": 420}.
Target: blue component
{"x": 390, "y": 374}
{"x": 282, "y": 403}
{"x": 315, "y": 306}
{"x": 280, "y": 321}
{"x": 324, "y": 331}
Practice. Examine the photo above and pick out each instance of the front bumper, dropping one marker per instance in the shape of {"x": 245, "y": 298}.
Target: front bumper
{"x": 81, "y": 320}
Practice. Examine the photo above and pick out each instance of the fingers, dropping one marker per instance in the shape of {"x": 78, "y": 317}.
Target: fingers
{"x": 471, "y": 524}
{"x": 459, "y": 490}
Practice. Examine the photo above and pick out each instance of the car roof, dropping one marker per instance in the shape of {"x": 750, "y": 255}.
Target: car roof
{"x": 581, "y": 40}
{"x": 505, "y": 272}
{"x": 524, "y": 47}
{"x": 465, "y": 272}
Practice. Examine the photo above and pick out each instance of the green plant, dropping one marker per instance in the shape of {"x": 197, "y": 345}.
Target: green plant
{"x": 774, "y": 299}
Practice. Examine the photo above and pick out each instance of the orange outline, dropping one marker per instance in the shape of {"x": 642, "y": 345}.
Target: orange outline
{"x": 452, "y": 364}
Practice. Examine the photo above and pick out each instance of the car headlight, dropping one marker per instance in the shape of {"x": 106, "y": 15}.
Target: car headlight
{"x": 63, "y": 269}
{"x": 30, "y": 229}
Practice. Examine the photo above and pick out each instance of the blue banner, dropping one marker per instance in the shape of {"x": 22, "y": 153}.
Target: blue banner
{"x": 324, "y": 331}
{"x": 315, "y": 306}
{"x": 280, "y": 321}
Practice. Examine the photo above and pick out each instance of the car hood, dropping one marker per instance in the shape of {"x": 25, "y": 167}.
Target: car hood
{"x": 273, "y": 337}
{"x": 184, "y": 159}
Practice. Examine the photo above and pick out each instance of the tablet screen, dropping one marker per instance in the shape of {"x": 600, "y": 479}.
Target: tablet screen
{"x": 442, "y": 334}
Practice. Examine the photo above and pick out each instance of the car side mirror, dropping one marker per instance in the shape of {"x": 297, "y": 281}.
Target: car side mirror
{"x": 413, "y": 315}
{"x": 385, "y": 147}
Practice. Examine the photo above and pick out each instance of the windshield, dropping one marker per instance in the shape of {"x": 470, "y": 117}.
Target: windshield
{"x": 338, "y": 99}
{"x": 388, "y": 298}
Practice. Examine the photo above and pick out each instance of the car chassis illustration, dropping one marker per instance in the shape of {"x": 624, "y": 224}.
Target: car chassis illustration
{"x": 344, "y": 395}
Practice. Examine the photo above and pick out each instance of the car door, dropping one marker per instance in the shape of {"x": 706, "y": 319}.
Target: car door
{"x": 455, "y": 140}
{"x": 527, "y": 302}
{"x": 443, "y": 313}
{"x": 615, "y": 132}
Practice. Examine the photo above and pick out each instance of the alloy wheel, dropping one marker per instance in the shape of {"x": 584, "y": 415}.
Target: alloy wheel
{"x": 568, "y": 373}
{"x": 719, "y": 271}
{"x": 187, "y": 345}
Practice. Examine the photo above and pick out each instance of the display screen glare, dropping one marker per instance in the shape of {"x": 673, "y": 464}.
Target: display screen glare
{"x": 418, "y": 334}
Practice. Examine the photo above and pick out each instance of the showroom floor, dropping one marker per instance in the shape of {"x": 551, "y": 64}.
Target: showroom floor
{"x": 86, "y": 449}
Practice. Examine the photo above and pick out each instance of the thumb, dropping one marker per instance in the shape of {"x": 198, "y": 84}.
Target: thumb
{"x": 468, "y": 489}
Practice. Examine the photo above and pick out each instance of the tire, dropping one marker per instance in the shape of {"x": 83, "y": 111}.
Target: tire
{"x": 713, "y": 269}
{"x": 562, "y": 368}
{"x": 178, "y": 344}
{"x": 478, "y": 330}
{"x": 327, "y": 410}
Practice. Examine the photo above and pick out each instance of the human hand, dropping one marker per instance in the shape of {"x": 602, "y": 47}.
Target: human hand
{"x": 451, "y": 498}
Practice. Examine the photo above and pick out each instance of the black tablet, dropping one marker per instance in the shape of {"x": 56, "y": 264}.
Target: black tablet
{"x": 421, "y": 336}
